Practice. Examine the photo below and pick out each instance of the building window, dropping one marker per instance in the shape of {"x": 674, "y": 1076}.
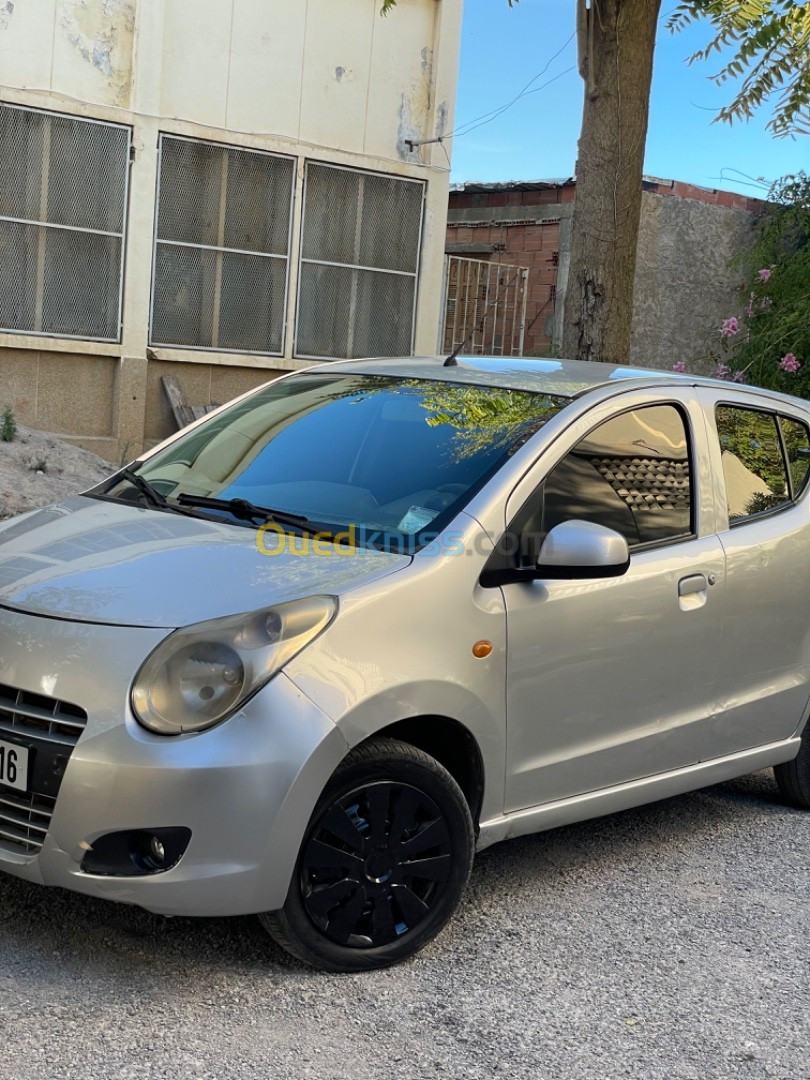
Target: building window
{"x": 221, "y": 247}
{"x": 63, "y": 198}
{"x": 359, "y": 263}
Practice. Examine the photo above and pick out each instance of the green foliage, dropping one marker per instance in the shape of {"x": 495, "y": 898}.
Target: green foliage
{"x": 770, "y": 345}
{"x": 8, "y": 425}
{"x": 759, "y": 502}
{"x": 482, "y": 418}
{"x": 487, "y": 417}
{"x": 771, "y": 43}
{"x": 776, "y": 311}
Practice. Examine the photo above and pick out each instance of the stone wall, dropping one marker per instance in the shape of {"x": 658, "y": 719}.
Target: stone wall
{"x": 685, "y": 284}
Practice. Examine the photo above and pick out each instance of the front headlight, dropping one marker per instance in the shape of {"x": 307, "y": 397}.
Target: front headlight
{"x": 201, "y": 674}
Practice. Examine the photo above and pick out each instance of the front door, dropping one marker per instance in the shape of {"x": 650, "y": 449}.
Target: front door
{"x": 614, "y": 679}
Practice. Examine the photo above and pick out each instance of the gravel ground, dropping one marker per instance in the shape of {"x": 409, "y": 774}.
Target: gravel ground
{"x": 667, "y": 942}
{"x": 37, "y": 468}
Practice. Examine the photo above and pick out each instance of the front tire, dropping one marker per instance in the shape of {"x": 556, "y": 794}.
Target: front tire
{"x": 383, "y": 864}
{"x": 793, "y": 777}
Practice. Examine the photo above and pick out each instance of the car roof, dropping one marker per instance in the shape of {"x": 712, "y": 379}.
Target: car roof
{"x": 562, "y": 378}
{"x": 543, "y": 375}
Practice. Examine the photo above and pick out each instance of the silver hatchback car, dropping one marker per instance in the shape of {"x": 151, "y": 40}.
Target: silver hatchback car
{"x": 305, "y": 657}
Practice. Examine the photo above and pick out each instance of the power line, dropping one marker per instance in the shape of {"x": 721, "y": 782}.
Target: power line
{"x": 441, "y": 139}
{"x": 479, "y": 121}
{"x": 487, "y": 118}
{"x": 536, "y": 90}
{"x": 750, "y": 181}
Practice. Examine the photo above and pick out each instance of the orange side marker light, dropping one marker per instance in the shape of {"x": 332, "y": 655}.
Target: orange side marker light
{"x": 481, "y": 649}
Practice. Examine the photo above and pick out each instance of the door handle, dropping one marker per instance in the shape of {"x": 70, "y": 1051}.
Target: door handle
{"x": 695, "y": 583}
{"x": 692, "y": 592}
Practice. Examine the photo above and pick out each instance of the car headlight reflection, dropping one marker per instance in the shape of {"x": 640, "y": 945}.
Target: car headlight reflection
{"x": 201, "y": 674}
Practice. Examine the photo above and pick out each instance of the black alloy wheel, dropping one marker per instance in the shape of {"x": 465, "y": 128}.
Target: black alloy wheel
{"x": 383, "y": 864}
{"x": 375, "y": 864}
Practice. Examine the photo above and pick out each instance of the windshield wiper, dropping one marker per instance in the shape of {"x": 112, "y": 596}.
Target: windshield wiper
{"x": 239, "y": 508}
{"x": 151, "y": 494}
{"x": 243, "y": 509}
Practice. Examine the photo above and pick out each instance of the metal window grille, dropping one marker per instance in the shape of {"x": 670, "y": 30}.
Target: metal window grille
{"x": 360, "y": 246}
{"x": 484, "y": 307}
{"x": 222, "y": 241}
{"x": 63, "y": 200}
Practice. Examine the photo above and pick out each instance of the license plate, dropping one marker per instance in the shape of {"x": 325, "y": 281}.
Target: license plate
{"x": 14, "y": 766}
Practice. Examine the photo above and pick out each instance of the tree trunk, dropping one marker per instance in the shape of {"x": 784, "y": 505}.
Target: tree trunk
{"x": 616, "y": 45}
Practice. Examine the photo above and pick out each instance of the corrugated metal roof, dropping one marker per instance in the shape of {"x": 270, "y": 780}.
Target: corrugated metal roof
{"x": 473, "y": 187}
{"x": 482, "y": 187}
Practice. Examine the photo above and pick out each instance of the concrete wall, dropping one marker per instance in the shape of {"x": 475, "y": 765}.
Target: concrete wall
{"x": 684, "y": 284}
{"x": 324, "y": 80}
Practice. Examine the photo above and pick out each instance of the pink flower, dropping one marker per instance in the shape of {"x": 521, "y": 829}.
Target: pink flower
{"x": 721, "y": 371}
{"x": 738, "y": 376}
{"x": 679, "y": 366}
{"x": 730, "y": 326}
{"x": 765, "y": 303}
{"x": 789, "y": 363}
{"x": 764, "y": 274}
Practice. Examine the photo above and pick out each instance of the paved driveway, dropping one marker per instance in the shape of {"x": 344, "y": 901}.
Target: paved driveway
{"x": 671, "y": 941}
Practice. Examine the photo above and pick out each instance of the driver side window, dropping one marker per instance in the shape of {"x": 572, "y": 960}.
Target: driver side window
{"x": 631, "y": 474}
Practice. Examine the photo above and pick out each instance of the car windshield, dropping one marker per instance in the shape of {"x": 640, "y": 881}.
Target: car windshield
{"x": 392, "y": 458}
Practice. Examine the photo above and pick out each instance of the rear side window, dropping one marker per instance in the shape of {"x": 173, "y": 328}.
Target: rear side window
{"x": 797, "y": 448}
{"x": 765, "y": 460}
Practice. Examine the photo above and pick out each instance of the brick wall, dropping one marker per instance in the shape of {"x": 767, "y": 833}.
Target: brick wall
{"x": 710, "y": 196}
{"x": 505, "y": 226}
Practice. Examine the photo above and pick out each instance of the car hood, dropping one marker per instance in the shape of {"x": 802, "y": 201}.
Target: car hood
{"x": 99, "y": 561}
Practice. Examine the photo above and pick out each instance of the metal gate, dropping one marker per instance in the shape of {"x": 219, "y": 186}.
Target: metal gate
{"x": 484, "y": 307}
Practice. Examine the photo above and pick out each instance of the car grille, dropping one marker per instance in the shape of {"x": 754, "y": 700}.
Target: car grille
{"x": 50, "y": 728}
{"x": 24, "y": 821}
{"x": 42, "y": 717}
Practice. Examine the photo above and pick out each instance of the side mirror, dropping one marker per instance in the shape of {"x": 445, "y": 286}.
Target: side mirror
{"x": 582, "y": 549}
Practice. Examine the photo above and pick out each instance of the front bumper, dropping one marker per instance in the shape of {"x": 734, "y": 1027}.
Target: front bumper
{"x": 245, "y": 789}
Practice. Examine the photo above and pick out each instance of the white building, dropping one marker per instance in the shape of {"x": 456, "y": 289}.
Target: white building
{"x": 219, "y": 190}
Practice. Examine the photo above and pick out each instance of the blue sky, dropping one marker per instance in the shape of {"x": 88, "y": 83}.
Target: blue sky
{"x": 502, "y": 49}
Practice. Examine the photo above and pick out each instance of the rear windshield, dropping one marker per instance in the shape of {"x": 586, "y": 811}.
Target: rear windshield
{"x": 395, "y": 458}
